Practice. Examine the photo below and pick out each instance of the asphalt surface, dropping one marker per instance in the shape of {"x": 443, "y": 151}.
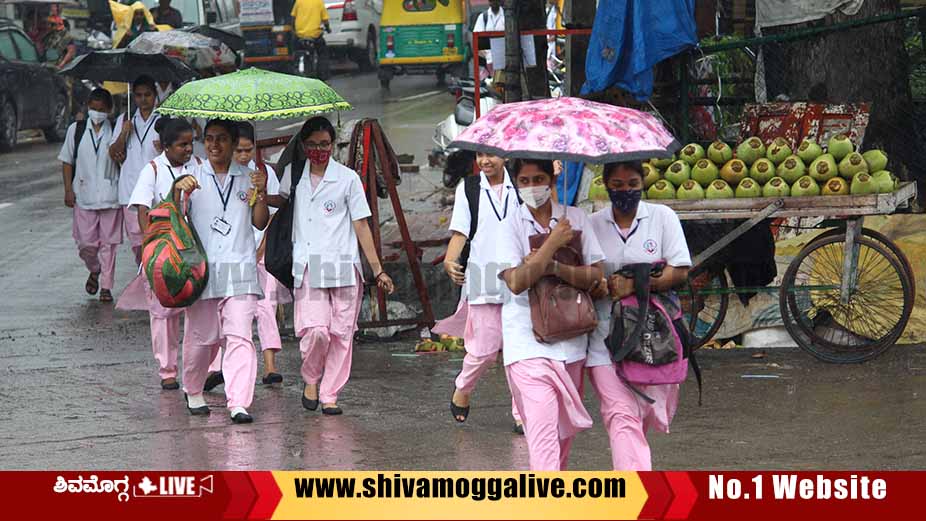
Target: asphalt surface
{"x": 79, "y": 385}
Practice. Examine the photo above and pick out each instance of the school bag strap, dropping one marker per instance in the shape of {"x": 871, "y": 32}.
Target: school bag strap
{"x": 471, "y": 188}
{"x": 78, "y": 135}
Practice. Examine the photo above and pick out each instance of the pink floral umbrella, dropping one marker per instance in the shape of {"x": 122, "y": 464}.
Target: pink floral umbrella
{"x": 568, "y": 129}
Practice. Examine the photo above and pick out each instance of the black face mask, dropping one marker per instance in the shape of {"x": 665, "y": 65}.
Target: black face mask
{"x": 625, "y": 201}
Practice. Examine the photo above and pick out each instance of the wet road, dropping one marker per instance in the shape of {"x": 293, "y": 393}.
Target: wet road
{"x": 79, "y": 387}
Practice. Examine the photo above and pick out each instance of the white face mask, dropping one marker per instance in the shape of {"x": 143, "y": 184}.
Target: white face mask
{"x": 535, "y": 196}
{"x": 96, "y": 116}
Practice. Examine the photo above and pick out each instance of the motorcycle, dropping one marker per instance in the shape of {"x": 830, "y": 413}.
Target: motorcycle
{"x": 311, "y": 58}
{"x": 457, "y": 163}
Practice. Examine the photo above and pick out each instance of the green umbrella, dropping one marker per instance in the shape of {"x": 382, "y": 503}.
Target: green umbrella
{"x": 253, "y": 94}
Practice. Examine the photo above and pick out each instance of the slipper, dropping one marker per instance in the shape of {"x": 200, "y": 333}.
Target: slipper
{"x": 458, "y": 411}
{"x": 332, "y": 411}
{"x": 272, "y": 378}
{"x": 518, "y": 429}
{"x": 214, "y": 380}
{"x": 310, "y": 405}
{"x": 106, "y": 295}
{"x": 93, "y": 284}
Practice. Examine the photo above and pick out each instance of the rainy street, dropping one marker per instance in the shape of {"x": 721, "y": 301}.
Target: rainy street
{"x": 79, "y": 384}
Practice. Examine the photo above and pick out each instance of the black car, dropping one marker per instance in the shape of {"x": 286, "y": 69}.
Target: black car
{"x": 32, "y": 95}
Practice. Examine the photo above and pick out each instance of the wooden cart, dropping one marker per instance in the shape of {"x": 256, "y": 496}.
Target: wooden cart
{"x": 846, "y": 297}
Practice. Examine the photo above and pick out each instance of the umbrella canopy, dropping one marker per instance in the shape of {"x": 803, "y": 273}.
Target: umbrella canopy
{"x": 124, "y": 66}
{"x": 568, "y": 129}
{"x": 196, "y": 50}
{"x": 253, "y": 94}
{"x": 235, "y": 42}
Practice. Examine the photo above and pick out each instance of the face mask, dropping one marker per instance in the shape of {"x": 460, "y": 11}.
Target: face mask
{"x": 625, "y": 201}
{"x": 535, "y": 196}
{"x": 317, "y": 157}
{"x": 96, "y": 116}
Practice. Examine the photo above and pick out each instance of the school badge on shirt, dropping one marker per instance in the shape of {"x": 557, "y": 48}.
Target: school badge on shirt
{"x": 242, "y": 196}
{"x": 650, "y": 246}
{"x": 329, "y": 206}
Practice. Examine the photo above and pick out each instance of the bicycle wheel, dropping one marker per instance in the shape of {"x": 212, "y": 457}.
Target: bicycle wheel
{"x": 861, "y": 326}
{"x": 884, "y": 241}
{"x": 706, "y": 305}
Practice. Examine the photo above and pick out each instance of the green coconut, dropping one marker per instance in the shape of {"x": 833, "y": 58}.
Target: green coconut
{"x": 863, "y": 184}
{"x": 762, "y": 170}
{"x": 692, "y": 153}
{"x": 886, "y": 181}
{"x": 597, "y": 191}
{"x": 734, "y": 171}
{"x": 791, "y": 169}
{"x": 704, "y": 172}
{"x": 690, "y": 189}
{"x": 719, "y": 152}
{"x": 677, "y": 173}
{"x": 823, "y": 168}
{"x": 851, "y": 165}
{"x": 776, "y": 187}
{"x": 661, "y": 189}
{"x": 835, "y": 186}
{"x": 661, "y": 163}
{"x": 650, "y": 175}
{"x": 748, "y": 188}
{"x": 876, "y": 159}
{"x": 839, "y": 146}
{"x": 778, "y": 151}
{"x": 808, "y": 151}
{"x": 804, "y": 187}
{"x": 750, "y": 150}
{"x": 719, "y": 189}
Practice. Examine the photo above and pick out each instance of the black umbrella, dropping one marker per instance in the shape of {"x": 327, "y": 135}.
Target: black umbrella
{"x": 125, "y": 66}
{"x": 234, "y": 41}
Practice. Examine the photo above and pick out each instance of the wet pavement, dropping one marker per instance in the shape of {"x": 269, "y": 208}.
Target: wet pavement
{"x": 79, "y": 386}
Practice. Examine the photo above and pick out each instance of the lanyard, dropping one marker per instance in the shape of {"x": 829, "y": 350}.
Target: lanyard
{"x": 96, "y": 143}
{"x": 636, "y": 224}
{"x": 553, "y": 221}
{"x": 172, "y": 176}
{"x": 227, "y": 196}
{"x": 141, "y": 140}
{"x": 505, "y": 214}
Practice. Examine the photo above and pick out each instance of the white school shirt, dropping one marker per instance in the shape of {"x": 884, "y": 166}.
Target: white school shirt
{"x": 92, "y": 189}
{"x": 656, "y": 234}
{"x": 513, "y": 246}
{"x": 490, "y": 22}
{"x": 482, "y": 283}
{"x": 323, "y": 225}
{"x": 273, "y": 188}
{"x": 155, "y": 181}
{"x": 232, "y": 259}
{"x": 139, "y": 149}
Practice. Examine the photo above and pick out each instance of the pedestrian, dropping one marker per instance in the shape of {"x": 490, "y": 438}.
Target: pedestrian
{"x": 220, "y": 190}
{"x": 480, "y": 312}
{"x": 164, "y": 14}
{"x": 632, "y": 231}
{"x": 153, "y": 186}
{"x": 329, "y": 228}
{"x": 274, "y": 293}
{"x": 133, "y": 147}
{"x": 91, "y": 188}
{"x": 545, "y": 378}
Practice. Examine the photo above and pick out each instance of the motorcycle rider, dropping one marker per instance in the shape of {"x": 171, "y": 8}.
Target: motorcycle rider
{"x": 308, "y": 18}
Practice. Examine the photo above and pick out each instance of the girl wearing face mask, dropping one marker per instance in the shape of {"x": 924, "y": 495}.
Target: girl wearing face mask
{"x": 224, "y": 220}
{"x": 154, "y": 183}
{"x": 329, "y": 230}
{"x": 479, "y": 317}
{"x": 544, "y": 378}
{"x": 632, "y": 231}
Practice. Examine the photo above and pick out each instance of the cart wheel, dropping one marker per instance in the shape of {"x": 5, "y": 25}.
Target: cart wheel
{"x": 705, "y": 301}
{"x": 868, "y": 323}
{"x": 883, "y": 240}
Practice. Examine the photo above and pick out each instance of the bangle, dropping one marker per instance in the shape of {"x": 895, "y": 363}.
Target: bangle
{"x": 380, "y": 274}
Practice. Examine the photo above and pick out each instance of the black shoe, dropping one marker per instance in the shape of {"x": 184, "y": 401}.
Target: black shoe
{"x": 272, "y": 378}
{"x": 309, "y": 404}
{"x": 213, "y": 380}
{"x": 198, "y": 411}
{"x": 170, "y": 384}
{"x": 458, "y": 411}
{"x": 332, "y": 411}
{"x": 518, "y": 429}
{"x": 242, "y": 417}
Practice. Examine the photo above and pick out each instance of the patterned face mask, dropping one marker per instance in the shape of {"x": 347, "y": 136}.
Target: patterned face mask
{"x": 317, "y": 157}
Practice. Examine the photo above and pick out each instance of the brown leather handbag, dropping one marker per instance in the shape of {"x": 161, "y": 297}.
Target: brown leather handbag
{"x": 560, "y": 311}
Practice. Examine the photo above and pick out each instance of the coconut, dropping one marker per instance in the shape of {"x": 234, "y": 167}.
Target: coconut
{"x": 778, "y": 151}
{"x": 750, "y": 150}
{"x": 719, "y": 152}
{"x": 661, "y": 189}
{"x": 663, "y": 162}
{"x": 823, "y": 168}
{"x": 677, "y": 173}
{"x": 835, "y": 186}
{"x": 748, "y": 188}
{"x": 805, "y": 186}
{"x": 852, "y": 164}
{"x": 762, "y": 170}
{"x": 885, "y": 180}
{"x": 692, "y": 153}
{"x": 719, "y": 189}
{"x": 839, "y": 146}
{"x": 808, "y": 151}
{"x": 597, "y": 191}
{"x": 876, "y": 159}
{"x": 650, "y": 175}
{"x": 791, "y": 169}
{"x": 863, "y": 184}
{"x": 704, "y": 172}
{"x": 776, "y": 187}
{"x": 690, "y": 189}
{"x": 734, "y": 171}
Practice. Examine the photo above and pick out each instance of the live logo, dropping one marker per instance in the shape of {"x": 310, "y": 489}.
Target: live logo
{"x": 178, "y": 486}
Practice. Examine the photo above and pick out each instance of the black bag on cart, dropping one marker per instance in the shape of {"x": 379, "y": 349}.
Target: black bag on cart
{"x": 278, "y": 255}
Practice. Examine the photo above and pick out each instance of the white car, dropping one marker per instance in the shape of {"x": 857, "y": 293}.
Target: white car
{"x": 354, "y": 30}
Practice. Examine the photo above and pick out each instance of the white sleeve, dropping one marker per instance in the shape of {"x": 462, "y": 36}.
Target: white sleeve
{"x": 675, "y": 247}
{"x": 591, "y": 248}
{"x": 117, "y": 129}
{"x": 460, "y": 220}
{"x": 66, "y": 155}
{"x": 273, "y": 184}
{"x": 480, "y": 23}
{"x": 509, "y": 252}
{"x": 357, "y": 199}
{"x": 286, "y": 181}
{"x": 144, "y": 192}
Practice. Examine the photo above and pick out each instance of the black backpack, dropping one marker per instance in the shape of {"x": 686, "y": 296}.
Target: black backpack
{"x": 278, "y": 255}
{"x": 471, "y": 187}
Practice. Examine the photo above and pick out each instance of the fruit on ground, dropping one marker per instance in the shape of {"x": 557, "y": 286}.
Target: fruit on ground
{"x": 704, "y": 172}
{"x": 823, "y": 168}
{"x": 762, "y": 170}
{"x": 804, "y": 187}
{"x": 776, "y": 187}
{"x": 661, "y": 189}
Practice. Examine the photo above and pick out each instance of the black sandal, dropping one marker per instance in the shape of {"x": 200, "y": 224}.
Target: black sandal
{"x": 458, "y": 411}
{"x": 272, "y": 378}
{"x": 307, "y": 403}
{"x": 93, "y": 284}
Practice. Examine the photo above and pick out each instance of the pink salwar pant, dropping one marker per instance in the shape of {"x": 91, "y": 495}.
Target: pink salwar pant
{"x": 97, "y": 234}
{"x": 133, "y": 231}
{"x": 165, "y": 333}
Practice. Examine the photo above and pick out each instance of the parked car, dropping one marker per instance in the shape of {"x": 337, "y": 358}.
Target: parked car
{"x": 32, "y": 95}
{"x": 354, "y": 31}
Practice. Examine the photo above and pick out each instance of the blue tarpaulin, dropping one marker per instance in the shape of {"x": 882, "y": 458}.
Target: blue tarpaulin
{"x": 629, "y": 37}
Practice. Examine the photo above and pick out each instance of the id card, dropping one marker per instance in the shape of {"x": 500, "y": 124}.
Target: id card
{"x": 221, "y": 226}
